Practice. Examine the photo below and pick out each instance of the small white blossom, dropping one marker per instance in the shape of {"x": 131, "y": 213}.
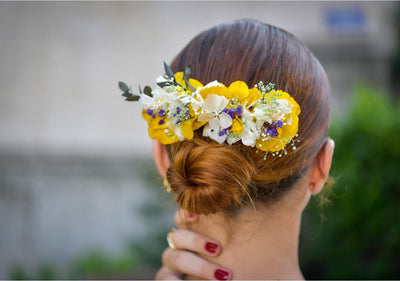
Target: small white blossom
{"x": 214, "y": 129}
{"x": 212, "y": 107}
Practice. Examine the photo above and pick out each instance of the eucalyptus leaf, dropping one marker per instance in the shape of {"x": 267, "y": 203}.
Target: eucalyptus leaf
{"x": 132, "y": 98}
{"x": 123, "y": 86}
{"x": 147, "y": 91}
{"x": 163, "y": 84}
{"x": 187, "y": 74}
{"x": 190, "y": 86}
{"x": 168, "y": 71}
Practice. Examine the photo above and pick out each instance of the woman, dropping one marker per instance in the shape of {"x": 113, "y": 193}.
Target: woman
{"x": 237, "y": 185}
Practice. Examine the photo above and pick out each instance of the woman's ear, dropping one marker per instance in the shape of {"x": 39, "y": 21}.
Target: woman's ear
{"x": 321, "y": 167}
{"x": 161, "y": 158}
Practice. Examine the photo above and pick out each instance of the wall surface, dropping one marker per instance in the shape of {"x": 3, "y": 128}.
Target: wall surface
{"x": 61, "y": 61}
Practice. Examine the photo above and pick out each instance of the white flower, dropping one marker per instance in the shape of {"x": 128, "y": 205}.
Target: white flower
{"x": 250, "y": 131}
{"x": 284, "y": 107}
{"x": 161, "y": 79}
{"x": 212, "y": 107}
{"x": 249, "y": 136}
{"x": 160, "y": 97}
{"x": 262, "y": 113}
{"x": 216, "y": 128}
{"x": 231, "y": 139}
{"x": 218, "y": 121}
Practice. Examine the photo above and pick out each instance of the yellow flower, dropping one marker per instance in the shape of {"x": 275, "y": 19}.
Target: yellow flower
{"x": 158, "y": 128}
{"x": 238, "y": 90}
{"x": 187, "y": 129}
{"x": 214, "y": 88}
{"x": 288, "y": 130}
{"x": 244, "y": 96}
{"x": 179, "y": 79}
{"x": 237, "y": 126}
{"x": 195, "y": 115}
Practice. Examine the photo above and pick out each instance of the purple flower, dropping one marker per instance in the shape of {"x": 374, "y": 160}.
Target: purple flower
{"x": 278, "y": 124}
{"x": 271, "y": 130}
{"x": 178, "y": 110}
{"x": 224, "y": 131}
{"x": 162, "y": 121}
{"x": 231, "y": 112}
{"x": 161, "y": 113}
{"x": 149, "y": 111}
{"x": 239, "y": 110}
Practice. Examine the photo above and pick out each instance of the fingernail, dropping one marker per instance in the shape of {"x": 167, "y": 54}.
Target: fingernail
{"x": 220, "y": 274}
{"x": 211, "y": 247}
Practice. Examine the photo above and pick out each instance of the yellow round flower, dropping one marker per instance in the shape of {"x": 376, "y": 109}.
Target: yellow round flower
{"x": 179, "y": 79}
{"x": 289, "y": 127}
{"x": 159, "y": 129}
{"x": 214, "y": 88}
{"x": 239, "y": 90}
{"x": 237, "y": 126}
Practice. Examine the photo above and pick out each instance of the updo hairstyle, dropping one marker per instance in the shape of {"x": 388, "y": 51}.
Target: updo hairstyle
{"x": 208, "y": 177}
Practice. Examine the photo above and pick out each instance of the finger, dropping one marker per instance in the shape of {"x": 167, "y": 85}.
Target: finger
{"x": 184, "y": 262}
{"x": 166, "y": 274}
{"x": 192, "y": 241}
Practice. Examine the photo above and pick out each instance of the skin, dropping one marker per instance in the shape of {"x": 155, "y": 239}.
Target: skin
{"x": 264, "y": 240}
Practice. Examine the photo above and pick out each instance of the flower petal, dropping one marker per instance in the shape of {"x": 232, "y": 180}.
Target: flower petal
{"x": 204, "y": 117}
{"x": 248, "y": 139}
{"x": 239, "y": 89}
{"x": 225, "y": 120}
{"x": 214, "y": 88}
{"x": 214, "y": 103}
{"x": 237, "y": 126}
{"x": 207, "y": 130}
{"x": 214, "y": 124}
{"x": 215, "y": 136}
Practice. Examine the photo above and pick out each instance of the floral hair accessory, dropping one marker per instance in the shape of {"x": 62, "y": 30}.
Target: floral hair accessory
{"x": 260, "y": 117}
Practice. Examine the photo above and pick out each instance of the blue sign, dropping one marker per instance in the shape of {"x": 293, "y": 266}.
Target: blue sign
{"x": 346, "y": 19}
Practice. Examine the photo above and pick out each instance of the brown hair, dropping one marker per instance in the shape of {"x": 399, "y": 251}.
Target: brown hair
{"x": 208, "y": 177}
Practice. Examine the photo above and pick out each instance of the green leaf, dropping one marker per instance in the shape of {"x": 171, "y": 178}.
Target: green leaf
{"x": 163, "y": 84}
{"x": 190, "y": 86}
{"x": 147, "y": 91}
{"x": 168, "y": 71}
{"x": 130, "y": 97}
{"x": 123, "y": 86}
{"x": 187, "y": 74}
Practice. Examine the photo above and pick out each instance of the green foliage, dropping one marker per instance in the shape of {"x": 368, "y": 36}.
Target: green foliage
{"x": 98, "y": 264}
{"x": 45, "y": 272}
{"x": 361, "y": 235}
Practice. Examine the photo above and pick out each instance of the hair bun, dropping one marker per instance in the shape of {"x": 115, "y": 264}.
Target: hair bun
{"x": 207, "y": 178}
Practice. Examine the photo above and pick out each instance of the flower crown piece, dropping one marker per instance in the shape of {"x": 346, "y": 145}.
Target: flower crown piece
{"x": 260, "y": 117}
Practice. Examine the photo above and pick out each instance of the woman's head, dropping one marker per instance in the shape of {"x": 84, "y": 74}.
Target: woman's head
{"x": 208, "y": 177}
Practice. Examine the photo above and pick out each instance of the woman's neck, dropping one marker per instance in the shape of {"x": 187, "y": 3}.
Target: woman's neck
{"x": 257, "y": 244}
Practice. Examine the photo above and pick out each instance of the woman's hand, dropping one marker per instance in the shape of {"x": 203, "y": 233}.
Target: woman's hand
{"x": 184, "y": 259}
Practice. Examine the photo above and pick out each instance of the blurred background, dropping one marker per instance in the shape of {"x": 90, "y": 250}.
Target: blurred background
{"x": 79, "y": 194}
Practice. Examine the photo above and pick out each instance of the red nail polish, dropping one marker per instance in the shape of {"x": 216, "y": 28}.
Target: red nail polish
{"x": 220, "y": 274}
{"x": 211, "y": 247}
